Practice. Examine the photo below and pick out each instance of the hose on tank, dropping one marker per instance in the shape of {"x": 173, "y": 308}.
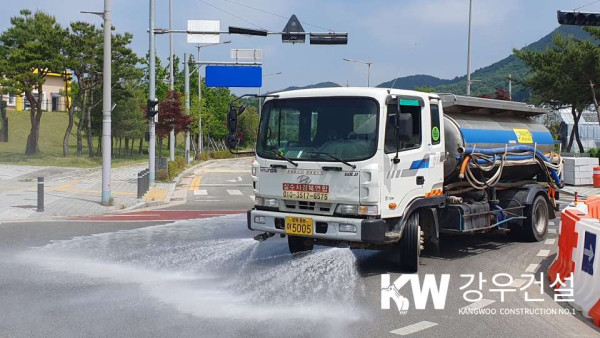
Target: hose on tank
{"x": 487, "y": 159}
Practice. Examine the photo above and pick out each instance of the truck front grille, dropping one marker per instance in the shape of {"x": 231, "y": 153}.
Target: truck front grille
{"x": 306, "y": 206}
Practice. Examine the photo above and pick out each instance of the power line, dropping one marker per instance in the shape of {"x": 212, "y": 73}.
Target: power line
{"x": 277, "y": 15}
{"x": 233, "y": 15}
{"x": 592, "y": 3}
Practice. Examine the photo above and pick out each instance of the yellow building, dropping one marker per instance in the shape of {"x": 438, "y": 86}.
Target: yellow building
{"x": 52, "y": 94}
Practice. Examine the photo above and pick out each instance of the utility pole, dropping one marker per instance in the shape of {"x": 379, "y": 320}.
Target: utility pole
{"x": 106, "y": 106}
{"x": 151, "y": 85}
{"x": 469, "y": 51}
{"x": 510, "y": 86}
{"x": 171, "y": 79}
{"x": 200, "y": 136}
{"x": 186, "y": 67}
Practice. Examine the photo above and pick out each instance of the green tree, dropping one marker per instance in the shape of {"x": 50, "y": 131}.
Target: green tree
{"x": 82, "y": 50}
{"x": 560, "y": 77}
{"x": 31, "y": 48}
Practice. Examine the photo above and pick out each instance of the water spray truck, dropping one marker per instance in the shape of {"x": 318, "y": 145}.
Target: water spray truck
{"x": 374, "y": 168}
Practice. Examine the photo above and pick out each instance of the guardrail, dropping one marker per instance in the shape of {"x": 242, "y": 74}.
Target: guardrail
{"x": 576, "y": 259}
{"x": 143, "y": 183}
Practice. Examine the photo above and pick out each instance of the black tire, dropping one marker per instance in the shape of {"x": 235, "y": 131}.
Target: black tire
{"x": 410, "y": 244}
{"x": 299, "y": 244}
{"x": 535, "y": 227}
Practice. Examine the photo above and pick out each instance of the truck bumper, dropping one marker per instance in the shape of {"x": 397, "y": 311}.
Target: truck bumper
{"x": 367, "y": 230}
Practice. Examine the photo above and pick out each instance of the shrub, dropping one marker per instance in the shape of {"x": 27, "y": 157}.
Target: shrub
{"x": 595, "y": 152}
{"x": 162, "y": 175}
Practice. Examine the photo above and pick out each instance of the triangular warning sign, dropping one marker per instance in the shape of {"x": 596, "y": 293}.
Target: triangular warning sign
{"x": 293, "y": 26}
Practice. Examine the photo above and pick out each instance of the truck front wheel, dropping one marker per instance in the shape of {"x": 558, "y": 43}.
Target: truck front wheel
{"x": 299, "y": 244}
{"x": 410, "y": 244}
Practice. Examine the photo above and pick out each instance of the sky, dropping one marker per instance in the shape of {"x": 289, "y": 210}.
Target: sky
{"x": 400, "y": 37}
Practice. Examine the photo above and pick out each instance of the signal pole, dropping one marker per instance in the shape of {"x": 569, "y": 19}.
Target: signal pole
{"x": 106, "y": 106}
{"x": 152, "y": 94}
{"x": 171, "y": 79}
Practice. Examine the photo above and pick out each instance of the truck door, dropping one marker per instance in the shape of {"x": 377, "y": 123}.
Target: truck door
{"x": 405, "y": 180}
{"x": 435, "y": 148}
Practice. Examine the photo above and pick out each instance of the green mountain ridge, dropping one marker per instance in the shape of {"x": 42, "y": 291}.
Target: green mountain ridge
{"x": 486, "y": 79}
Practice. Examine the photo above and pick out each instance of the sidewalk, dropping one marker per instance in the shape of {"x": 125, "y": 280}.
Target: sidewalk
{"x": 582, "y": 191}
{"x": 69, "y": 191}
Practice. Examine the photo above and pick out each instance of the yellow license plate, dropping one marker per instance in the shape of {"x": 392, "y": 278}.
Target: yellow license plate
{"x": 299, "y": 226}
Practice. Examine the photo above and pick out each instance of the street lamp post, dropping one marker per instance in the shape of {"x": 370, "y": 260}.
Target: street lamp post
{"x": 260, "y": 98}
{"x": 368, "y": 63}
{"x": 200, "y": 135}
{"x": 469, "y": 51}
{"x": 106, "y": 103}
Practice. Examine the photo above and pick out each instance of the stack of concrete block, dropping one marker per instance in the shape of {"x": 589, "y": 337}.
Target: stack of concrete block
{"x": 579, "y": 170}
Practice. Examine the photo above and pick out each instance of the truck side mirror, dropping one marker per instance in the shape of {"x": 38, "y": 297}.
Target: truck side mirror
{"x": 404, "y": 127}
{"x": 232, "y": 120}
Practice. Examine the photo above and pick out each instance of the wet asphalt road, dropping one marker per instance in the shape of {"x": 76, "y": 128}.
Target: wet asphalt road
{"x": 207, "y": 278}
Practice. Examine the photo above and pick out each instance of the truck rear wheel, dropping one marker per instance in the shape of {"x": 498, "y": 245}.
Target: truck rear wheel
{"x": 410, "y": 244}
{"x": 299, "y": 244}
{"x": 535, "y": 226}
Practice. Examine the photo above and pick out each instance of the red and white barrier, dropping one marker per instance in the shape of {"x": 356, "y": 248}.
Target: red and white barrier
{"x": 578, "y": 246}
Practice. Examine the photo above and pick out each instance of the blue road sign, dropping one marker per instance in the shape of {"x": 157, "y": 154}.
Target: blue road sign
{"x": 233, "y": 76}
{"x": 589, "y": 253}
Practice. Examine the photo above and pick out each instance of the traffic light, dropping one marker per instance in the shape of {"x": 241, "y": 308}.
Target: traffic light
{"x": 328, "y": 38}
{"x": 578, "y": 18}
{"x": 152, "y": 108}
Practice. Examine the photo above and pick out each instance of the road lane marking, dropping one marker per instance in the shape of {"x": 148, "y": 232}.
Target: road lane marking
{"x": 477, "y": 305}
{"x": 543, "y": 253}
{"x": 234, "y": 192}
{"x": 550, "y": 241}
{"x": 200, "y": 192}
{"x": 551, "y": 231}
{"x": 517, "y": 283}
{"x": 532, "y": 268}
{"x": 414, "y": 328}
{"x": 195, "y": 183}
{"x": 66, "y": 187}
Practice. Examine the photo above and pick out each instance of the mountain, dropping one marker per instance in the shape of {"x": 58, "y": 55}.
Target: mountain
{"x": 327, "y": 84}
{"x": 414, "y": 81}
{"x": 487, "y": 79}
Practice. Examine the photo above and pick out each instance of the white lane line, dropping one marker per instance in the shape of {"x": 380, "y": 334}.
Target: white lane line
{"x": 200, "y": 192}
{"x": 517, "y": 283}
{"x": 532, "y": 268}
{"x": 550, "y": 241}
{"x": 234, "y": 192}
{"x": 543, "y": 253}
{"x": 413, "y": 328}
{"x": 551, "y": 231}
{"x": 477, "y": 305}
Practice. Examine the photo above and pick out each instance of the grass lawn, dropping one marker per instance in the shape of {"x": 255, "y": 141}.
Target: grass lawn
{"x": 52, "y": 131}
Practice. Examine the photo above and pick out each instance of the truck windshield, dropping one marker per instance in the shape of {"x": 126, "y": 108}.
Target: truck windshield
{"x": 312, "y": 128}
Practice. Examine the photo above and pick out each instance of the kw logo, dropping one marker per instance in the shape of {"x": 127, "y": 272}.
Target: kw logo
{"x": 420, "y": 293}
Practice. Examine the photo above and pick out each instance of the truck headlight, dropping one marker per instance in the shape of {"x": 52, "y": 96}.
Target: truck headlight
{"x": 254, "y": 171}
{"x": 259, "y": 200}
{"x": 347, "y": 209}
{"x": 271, "y": 203}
